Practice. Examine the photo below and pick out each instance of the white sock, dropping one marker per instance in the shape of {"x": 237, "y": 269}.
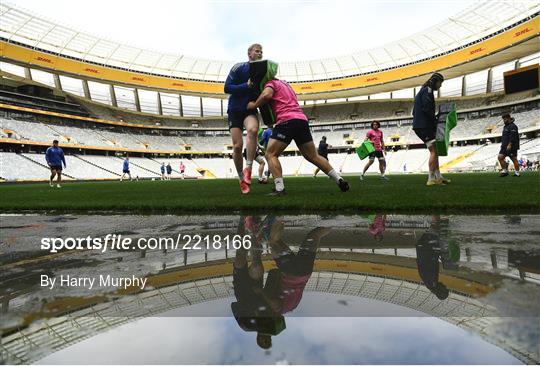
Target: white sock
{"x": 334, "y": 176}
{"x": 249, "y": 163}
{"x": 438, "y": 174}
{"x": 431, "y": 175}
{"x": 279, "y": 184}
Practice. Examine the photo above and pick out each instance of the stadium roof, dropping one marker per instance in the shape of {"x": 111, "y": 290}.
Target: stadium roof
{"x": 482, "y": 19}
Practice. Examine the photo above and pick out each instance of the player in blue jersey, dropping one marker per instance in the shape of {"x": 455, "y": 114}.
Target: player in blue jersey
{"x": 125, "y": 169}
{"x": 241, "y": 91}
{"x": 55, "y": 157}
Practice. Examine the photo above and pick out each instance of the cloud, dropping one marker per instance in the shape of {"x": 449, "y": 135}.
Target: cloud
{"x": 289, "y": 30}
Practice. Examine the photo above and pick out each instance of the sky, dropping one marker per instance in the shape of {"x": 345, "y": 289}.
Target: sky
{"x": 176, "y": 337}
{"x": 219, "y": 29}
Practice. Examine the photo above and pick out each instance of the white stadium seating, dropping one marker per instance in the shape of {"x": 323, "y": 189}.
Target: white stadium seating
{"x": 473, "y": 134}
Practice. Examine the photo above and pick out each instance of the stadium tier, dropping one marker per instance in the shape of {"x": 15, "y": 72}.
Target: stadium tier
{"x": 92, "y": 147}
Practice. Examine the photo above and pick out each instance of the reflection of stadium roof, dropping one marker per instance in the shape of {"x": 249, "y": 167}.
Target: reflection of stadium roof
{"x": 470, "y": 26}
{"x": 57, "y": 333}
{"x": 393, "y": 280}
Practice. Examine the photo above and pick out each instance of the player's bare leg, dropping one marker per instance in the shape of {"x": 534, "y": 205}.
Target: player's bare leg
{"x": 251, "y": 123}
{"x": 366, "y": 167}
{"x": 382, "y": 168}
{"x": 274, "y": 150}
{"x": 238, "y": 143}
{"x": 53, "y": 174}
{"x": 59, "y": 179}
{"x": 516, "y": 166}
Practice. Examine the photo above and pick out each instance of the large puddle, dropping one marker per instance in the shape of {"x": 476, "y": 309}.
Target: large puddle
{"x": 374, "y": 288}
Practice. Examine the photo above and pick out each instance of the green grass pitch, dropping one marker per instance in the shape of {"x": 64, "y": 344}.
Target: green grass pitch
{"x": 406, "y": 193}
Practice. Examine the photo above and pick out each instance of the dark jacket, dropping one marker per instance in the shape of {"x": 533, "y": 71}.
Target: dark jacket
{"x": 510, "y": 134}
{"x": 236, "y": 85}
{"x": 424, "y": 109}
{"x": 323, "y": 148}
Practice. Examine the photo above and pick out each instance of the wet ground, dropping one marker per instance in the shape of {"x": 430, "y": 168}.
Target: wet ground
{"x": 373, "y": 288}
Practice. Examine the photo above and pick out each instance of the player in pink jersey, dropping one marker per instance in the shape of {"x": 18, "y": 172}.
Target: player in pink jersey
{"x": 291, "y": 124}
{"x": 375, "y": 135}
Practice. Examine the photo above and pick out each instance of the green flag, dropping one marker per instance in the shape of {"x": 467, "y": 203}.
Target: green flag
{"x": 442, "y": 138}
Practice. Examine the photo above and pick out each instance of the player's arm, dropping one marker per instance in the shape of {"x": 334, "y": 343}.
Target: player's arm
{"x": 47, "y": 157}
{"x": 266, "y": 96}
{"x": 428, "y": 106}
{"x": 514, "y": 138}
{"x": 63, "y": 158}
{"x": 232, "y": 86}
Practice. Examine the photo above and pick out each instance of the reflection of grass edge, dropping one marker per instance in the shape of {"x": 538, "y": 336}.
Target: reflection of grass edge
{"x": 467, "y": 192}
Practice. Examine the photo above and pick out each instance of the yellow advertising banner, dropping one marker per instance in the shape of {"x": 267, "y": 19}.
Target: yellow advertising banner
{"x": 66, "y": 65}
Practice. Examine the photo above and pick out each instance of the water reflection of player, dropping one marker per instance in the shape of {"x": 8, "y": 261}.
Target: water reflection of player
{"x": 430, "y": 247}
{"x": 377, "y": 227}
{"x": 294, "y": 269}
{"x": 259, "y": 308}
{"x": 251, "y": 309}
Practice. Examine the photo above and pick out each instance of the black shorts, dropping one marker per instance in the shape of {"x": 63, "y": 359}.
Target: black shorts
{"x": 299, "y": 264}
{"x": 236, "y": 119}
{"x": 425, "y": 134}
{"x": 511, "y": 153}
{"x": 376, "y": 154}
{"x": 295, "y": 129}
{"x": 125, "y": 171}
{"x": 56, "y": 167}
{"x": 243, "y": 284}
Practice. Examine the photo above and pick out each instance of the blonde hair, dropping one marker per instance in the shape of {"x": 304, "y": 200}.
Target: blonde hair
{"x": 253, "y": 46}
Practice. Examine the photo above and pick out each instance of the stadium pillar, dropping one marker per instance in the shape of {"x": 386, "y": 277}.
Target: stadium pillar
{"x": 493, "y": 258}
{"x": 180, "y": 106}
{"x": 464, "y": 86}
{"x": 391, "y": 96}
{"x": 113, "y": 95}
{"x": 201, "y": 106}
{"x": 414, "y": 93}
{"x": 159, "y": 106}
{"x": 489, "y": 80}
{"x": 221, "y": 107}
{"x": 27, "y": 73}
{"x": 57, "y": 83}
{"x": 86, "y": 90}
{"x": 137, "y": 100}
{"x": 517, "y": 65}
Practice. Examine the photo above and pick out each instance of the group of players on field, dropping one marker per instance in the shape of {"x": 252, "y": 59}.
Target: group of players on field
{"x": 291, "y": 124}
